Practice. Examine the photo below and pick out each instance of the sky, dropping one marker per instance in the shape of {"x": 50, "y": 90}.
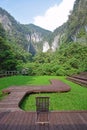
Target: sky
{"x": 48, "y": 14}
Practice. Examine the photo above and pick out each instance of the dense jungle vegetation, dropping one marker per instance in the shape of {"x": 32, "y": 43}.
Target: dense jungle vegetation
{"x": 69, "y": 58}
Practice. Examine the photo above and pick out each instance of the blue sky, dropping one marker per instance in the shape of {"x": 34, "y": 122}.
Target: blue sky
{"x": 48, "y": 14}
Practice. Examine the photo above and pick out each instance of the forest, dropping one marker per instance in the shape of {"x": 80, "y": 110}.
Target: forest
{"x": 69, "y": 58}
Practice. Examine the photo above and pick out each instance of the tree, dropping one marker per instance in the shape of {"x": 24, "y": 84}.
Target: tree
{"x": 2, "y": 32}
{"x": 7, "y": 58}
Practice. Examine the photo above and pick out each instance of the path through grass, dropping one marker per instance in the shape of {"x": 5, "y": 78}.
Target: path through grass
{"x": 24, "y": 81}
{"x": 76, "y": 99}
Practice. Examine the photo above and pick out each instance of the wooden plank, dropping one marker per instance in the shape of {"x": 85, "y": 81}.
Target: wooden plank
{"x": 20, "y": 120}
{"x": 58, "y": 121}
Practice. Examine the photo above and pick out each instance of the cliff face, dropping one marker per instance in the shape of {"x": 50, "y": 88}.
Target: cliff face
{"x": 25, "y": 35}
{"x": 5, "y": 22}
{"x": 75, "y": 29}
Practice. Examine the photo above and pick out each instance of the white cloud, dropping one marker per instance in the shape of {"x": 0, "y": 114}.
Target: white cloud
{"x": 55, "y": 16}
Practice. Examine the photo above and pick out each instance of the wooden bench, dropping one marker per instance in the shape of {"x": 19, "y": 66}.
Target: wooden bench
{"x": 78, "y": 81}
{"x": 42, "y": 110}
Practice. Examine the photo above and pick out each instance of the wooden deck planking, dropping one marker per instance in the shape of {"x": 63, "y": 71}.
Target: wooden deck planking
{"x": 13, "y": 118}
{"x": 11, "y": 102}
{"x": 57, "y": 121}
{"x": 79, "y": 78}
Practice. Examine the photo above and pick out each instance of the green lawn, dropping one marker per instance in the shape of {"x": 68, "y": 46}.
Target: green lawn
{"x": 76, "y": 99}
{"x": 24, "y": 80}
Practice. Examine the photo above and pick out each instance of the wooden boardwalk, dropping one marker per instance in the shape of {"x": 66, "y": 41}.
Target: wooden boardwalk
{"x": 13, "y": 118}
{"x": 12, "y": 101}
{"x": 57, "y": 121}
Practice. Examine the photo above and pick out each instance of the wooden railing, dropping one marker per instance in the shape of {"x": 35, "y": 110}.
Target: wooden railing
{"x": 9, "y": 73}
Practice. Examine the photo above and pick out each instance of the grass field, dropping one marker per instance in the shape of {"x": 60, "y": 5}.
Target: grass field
{"x": 23, "y": 80}
{"x": 76, "y": 99}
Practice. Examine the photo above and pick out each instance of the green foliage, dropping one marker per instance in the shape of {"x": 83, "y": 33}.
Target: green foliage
{"x": 69, "y": 59}
{"x": 11, "y": 54}
{"x": 2, "y": 32}
{"x": 81, "y": 33}
{"x": 7, "y": 58}
{"x": 65, "y": 61}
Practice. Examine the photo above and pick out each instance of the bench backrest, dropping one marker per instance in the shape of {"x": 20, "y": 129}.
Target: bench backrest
{"x": 42, "y": 104}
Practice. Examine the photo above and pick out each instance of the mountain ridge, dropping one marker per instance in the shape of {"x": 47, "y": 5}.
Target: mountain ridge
{"x": 42, "y": 40}
{"x": 22, "y": 46}
{"x": 21, "y": 33}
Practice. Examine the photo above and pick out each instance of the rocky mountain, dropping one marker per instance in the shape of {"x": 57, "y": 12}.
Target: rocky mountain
{"x": 77, "y": 23}
{"x": 75, "y": 29}
{"x": 34, "y": 39}
{"x": 37, "y": 36}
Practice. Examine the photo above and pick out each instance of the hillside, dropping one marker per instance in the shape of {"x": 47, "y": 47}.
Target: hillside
{"x": 37, "y": 36}
{"x": 75, "y": 29}
{"x": 65, "y": 48}
{"x": 24, "y": 35}
{"x": 35, "y": 39}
